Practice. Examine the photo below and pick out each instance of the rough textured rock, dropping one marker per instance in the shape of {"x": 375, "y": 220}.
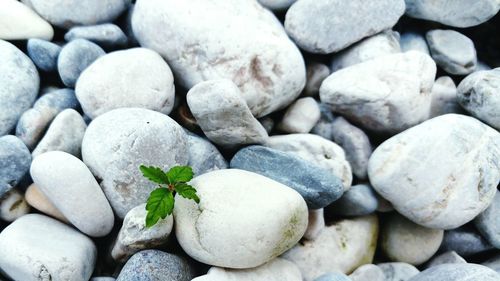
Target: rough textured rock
{"x": 452, "y": 51}
{"x": 15, "y": 160}
{"x": 18, "y": 22}
{"x": 74, "y": 58}
{"x": 444, "y": 97}
{"x": 413, "y": 41}
{"x": 457, "y": 272}
{"x": 13, "y": 206}
{"x": 107, "y": 35}
{"x": 398, "y": 271}
{"x": 39, "y": 201}
{"x": 204, "y": 157}
{"x": 359, "y": 200}
{"x": 301, "y": 116}
{"x": 488, "y": 223}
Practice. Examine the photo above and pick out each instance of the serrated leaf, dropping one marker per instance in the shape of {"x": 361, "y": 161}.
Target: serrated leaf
{"x": 160, "y": 204}
{"x": 180, "y": 174}
{"x": 187, "y": 191}
{"x": 154, "y": 174}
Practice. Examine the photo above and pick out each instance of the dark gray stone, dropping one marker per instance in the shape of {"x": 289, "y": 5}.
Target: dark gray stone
{"x": 466, "y": 241}
{"x": 488, "y": 222}
{"x": 324, "y": 127}
{"x": 203, "y": 155}
{"x": 106, "y": 35}
{"x": 359, "y": 200}
{"x": 15, "y": 160}
{"x": 44, "y": 54}
{"x": 457, "y": 272}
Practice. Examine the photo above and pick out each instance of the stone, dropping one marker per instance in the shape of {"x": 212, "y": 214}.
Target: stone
{"x": 44, "y": 54}
{"x": 316, "y": 224}
{"x": 135, "y": 77}
{"x": 15, "y": 160}
{"x": 265, "y": 64}
{"x": 119, "y": 141}
{"x": 413, "y": 41}
{"x": 301, "y": 116}
{"x": 68, "y": 13}
{"x": 493, "y": 263}
{"x": 19, "y": 22}
{"x": 70, "y": 186}
{"x": 277, "y": 5}
{"x": 223, "y": 115}
{"x": 134, "y": 236}
{"x": 324, "y": 127}
{"x": 405, "y": 241}
{"x": 343, "y": 246}
{"x": 326, "y": 26}
{"x": 317, "y": 150}
{"x": 151, "y": 265}
{"x": 106, "y": 35}
{"x": 457, "y": 14}
{"x": 359, "y": 200}
{"x": 275, "y": 270}
{"x": 213, "y": 232}
{"x": 204, "y": 157}
{"x": 478, "y": 94}
{"x": 13, "y": 206}
{"x": 441, "y": 173}
{"x": 488, "y": 223}
{"x": 444, "y": 97}
{"x": 268, "y": 124}
{"x": 368, "y": 272}
{"x": 457, "y": 272}
{"x": 452, "y": 51}
{"x": 355, "y": 143}
{"x": 316, "y": 74}
{"x": 398, "y": 271}
{"x": 379, "y": 45}
{"x": 39, "y": 201}
{"x": 446, "y": 257}
{"x": 19, "y": 83}
{"x": 465, "y": 241}
{"x": 335, "y": 276}
{"x": 36, "y": 247}
{"x": 74, "y": 58}
{"x": 316, "y": 185}
{"x": 64, "y": 134}
{"x": 388, "y": 94}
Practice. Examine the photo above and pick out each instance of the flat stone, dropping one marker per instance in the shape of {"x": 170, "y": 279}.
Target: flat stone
{"x": 465, "y": 241}
{"x": 106, "y": 35}
{"x": 488, "y": 223}
{"x": 13, "y": 206}
{"x": 444, "y": 97}
{"x": 398, "y": 271}
{"x": 316, "y": 73}
{"x": 301, "y": 116}
{"x": 413, "y": 41}
{"x": 446, "y": 257}
{"x": 204, "y": 157}
{"x": 457, "y": 272}
{"x": 74, "y": 58}
{"x": 39, "y": 201}
{"x": 44, "y": 54}
{"x": 15, "y": 160}
{"x": 452, "y": 51}
{"x": 19, "y": 22}
{"x": 359, "y": 200}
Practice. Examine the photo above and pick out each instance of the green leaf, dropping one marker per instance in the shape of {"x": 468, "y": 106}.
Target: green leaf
{"x": 180, "y": 174}
{"x": 187, "y": 191}
{"x": 154, "y": 174}
{"x": 160, "y": 204}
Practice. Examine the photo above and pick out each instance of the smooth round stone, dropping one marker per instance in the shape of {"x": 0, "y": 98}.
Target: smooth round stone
{"x": 15, "y": 160}
{"x": 457, "y": 272}
{"x": 19, "y": 82}
{"x": 445, "y": 258}
{"x": 106, "y": 35}
{"x": 64, "y": 134}
{"x": 488, "y": 222}
{"x": 327, "y": 26}
{"x": 405, "y": 241}
{"x": 452, "y": 51}
{"x": 134, "y": 236}
{"x": 265, "y": 64}
{"x": 275, "y": 270}
{"x": 13, "y": 206}
{"x": 68, "y": 13}
{"x": 324, "y": 127}
{"x": 335, "y": 276}
{"x": 359, "y": 200}
{"x": 204, "y": 157}
{"x": 368, "y": 272}
{"x": 36, "y": 247}
{"x": 301, "y": 116}
{"x": 39, "y": 201}
{"x": 316, "y": 224}
{"x": 70, "y": 186}
{"x": 412, "y": 41}
{"x": 355, "y": 143}
{"x": 343, "y": 246}
{"x": 316, "y": 185}
{"x": 19, "y": 22}
{"x": 317, "y": 150}
{"x": 135, "y": 77}
{"x": 465, "y": 241}
{"x": 441, "y": 173}
{"x": 213, "y": 231}
{"x": 398, "y": 271}
{"x": 44, "y": 54}
{"x": 458, "y": 13}
{"x": 119, "y": 141}
{"x": 277, "y": 5}
{"x": 478, "y": 94}
{"x": 444, "y": 97}
{"x": 152, "y": 265}
{"x": 316, "y": 73}
{"x": 75, "y": 57}
{"x": 380, "y": 103}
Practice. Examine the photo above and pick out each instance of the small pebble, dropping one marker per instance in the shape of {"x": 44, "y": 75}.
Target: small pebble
{"x": 15, "y": 160}
{"x": 106, "y": 35}
{"x": 39, "y": 201}
{"x": 412, "y": 41}
{"x": 446, "y": 257}
{"x": 44, "y": 54}
{"x": 488, "y": 222}
{"x": 301, "y": 116}
{"x": 316, "y": 74}
{"x": 74, "y": 58}
{"x": 465, "y": 241}
{"x": 13, "y": 206}
{"x": 359, "y": 200}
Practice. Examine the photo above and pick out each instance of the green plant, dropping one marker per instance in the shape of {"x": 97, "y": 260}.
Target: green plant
{"x": 161, "y": 200}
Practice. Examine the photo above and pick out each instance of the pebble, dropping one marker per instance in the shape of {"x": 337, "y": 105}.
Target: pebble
{"x": 107, "y": 35}
{"x": 405, "y": 241}
{"x": 13, "y": 206}
{"x": 324, "y": 127}
{"x": 44, "y": 54}
{"x": 478, "y": 94}
{"x": 64, "y": 134}
{"x": 19, "y": 22}
{"x": 452, "y": 51}
{"x": 19, "y": 83}
{"x": 379, "y": 45}
{"x": 265, "y": 64}
{"x": 398, "y": 271}
{"x": 343, "y": 246}
{"x": 134, "y": 236}
{"x": 444, "y": 97}
{"x": 15, "y": 160}
{"x": 227, "y": 230}
{"x": 380, "y": 103}
{"x": 440, "y": 194}
{"x": 74, "y": 58}
{"x": 204, "y": 157}
{"x": 335, "y": 276}
{"x": 368, "y": 272}
{"x": 465, "y": 241}
{"x": 317, "y": 150}
{"x": 119, "y": 141}
{"x": 413, "y": 41}
{"x": 316, "y": 74}
{"x": 316, "y": 224}
{"x": 301, "y": 116}
{"x": 222, "y": 114}
{"x": 152, "y": 265}
{"x": 327, "y": 26}
{"x": 446, "y": 257}
{"x": 488, "y": 223}
{"x": 457, "y": 272}
{"x": 36, "y": 247}
{"x": 277, "y": 5}
{"x": 317, "y": 186}
{"x": 458, "y": 13}
{"x": 359, "y": 200}
{"x": 39, "y": 201}
{"x": 355, "y": 143}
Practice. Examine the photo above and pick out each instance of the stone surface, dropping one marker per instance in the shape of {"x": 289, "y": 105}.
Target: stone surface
{"x": 213, "y": 232}
{"x": 119, "y": 141}
{"x": 452, "y": 51}
{"x": 74, "y": 58}
{"x": 19, "y": 22}
{"x": 446, "y": 257}
{"x": 336, "y": 276}
{"x": 301, "y": 116}
{"x": 413, "y": 41}
{"x": 204, "y": 157}
{"x": 359, "y": 200}
{"x": 39, "y": 201}
{"x": 441, "y": 173}
{"x": 135, "y": 77}
{"x": 316, "y": 73}
{"x": 465, "y": 241}
{"x": 15, "y": 160}
{"x": 13, "y": 206}
{"x": 488, "y": 223}
{"x": 398, "y": 271}
{"x": 277, "y": 5}
{"x": 316, "y": 224}
{"x": 267, "y": 67}
{"x": 457, "y": 272}
{"x": 324, "y": 127}
{"x": 106, "y": 35}
{"x": 44, "y": 54}
{"x": 444, "y": 97}
{"x": 368, "y": 272}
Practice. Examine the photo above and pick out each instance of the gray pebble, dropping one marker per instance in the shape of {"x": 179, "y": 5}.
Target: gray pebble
{"x": 446, "y": 257}
{"x": 324, "y": 127}
{"x": 44, "y": 54}
{"x": 316, "y": 73}
{"x": 368, "y": 272}
{"x": 203, "y": 155}
{"x": 452, "y": 51}
{"x": 412, "y": 41}
{"x": 398, "y": 271}
{"x": 488, "y": 222}
{"x": 359, "y": 200}
{"x": 15, "y": 160}
{"x": 457, "y": 272}
{"x": 75, "y": 57}
{"x": 465, "y": 241}
{"x": 106, "y": 35}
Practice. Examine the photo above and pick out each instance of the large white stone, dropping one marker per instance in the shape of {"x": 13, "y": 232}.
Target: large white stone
{"x": 19, "y": 22}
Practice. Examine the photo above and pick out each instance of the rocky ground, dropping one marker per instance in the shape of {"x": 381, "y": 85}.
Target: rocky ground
{"x": 331, "y": 140}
